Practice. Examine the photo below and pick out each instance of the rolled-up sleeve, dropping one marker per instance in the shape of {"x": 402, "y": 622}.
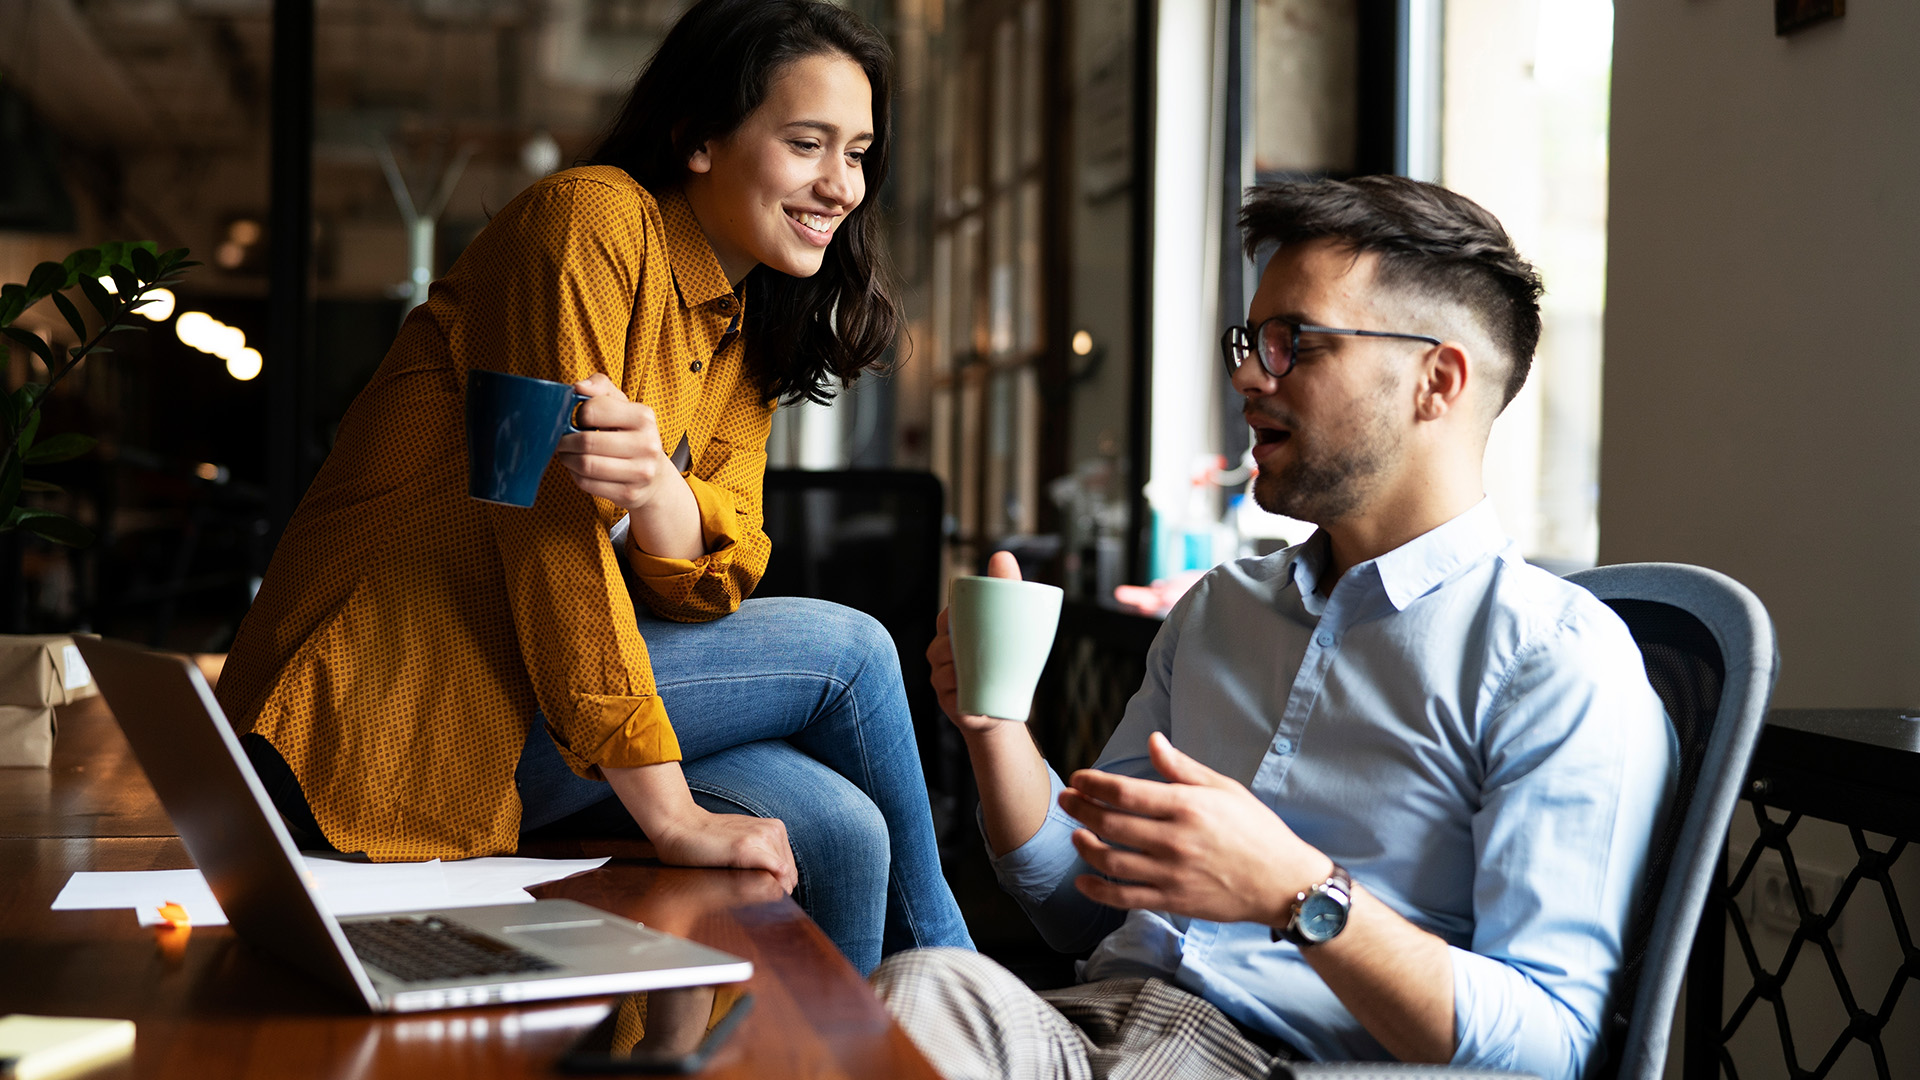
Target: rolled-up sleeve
{"x": 558, "y": 309}
{"x": 727, "y": 482}
{"x": 1577, "y": 782}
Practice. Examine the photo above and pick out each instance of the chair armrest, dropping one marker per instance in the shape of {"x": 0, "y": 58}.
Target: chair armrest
{"x": 1385, "y": 1070}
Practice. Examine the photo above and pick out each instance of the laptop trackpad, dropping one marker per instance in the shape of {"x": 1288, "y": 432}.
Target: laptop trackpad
{"x": 571, "y": 934}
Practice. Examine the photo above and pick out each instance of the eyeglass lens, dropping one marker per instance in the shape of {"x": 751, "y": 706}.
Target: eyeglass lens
{"x": 1275, "y": 347}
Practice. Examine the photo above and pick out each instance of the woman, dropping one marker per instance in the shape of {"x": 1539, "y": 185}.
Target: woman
{"x": 427, "y": 675}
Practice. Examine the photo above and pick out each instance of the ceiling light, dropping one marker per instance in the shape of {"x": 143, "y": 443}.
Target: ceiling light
{"x": 230, "y": 255}
{"x": 1082, "y": 343}
{"x": 244, "y": 231}
{"x": 245, "y": 364}
{"x": 192, "y": 327}
{"x": 158, "y": 306}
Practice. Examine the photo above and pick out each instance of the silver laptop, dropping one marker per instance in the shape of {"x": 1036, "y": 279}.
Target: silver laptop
{"x": 394, "y": 963}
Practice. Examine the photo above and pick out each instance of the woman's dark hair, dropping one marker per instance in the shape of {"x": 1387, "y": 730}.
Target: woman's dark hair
{"x": 713, "y": 70}
{"x": 1429, "y": 240}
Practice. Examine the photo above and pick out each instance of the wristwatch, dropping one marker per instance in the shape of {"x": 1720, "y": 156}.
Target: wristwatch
{"x": 1319, "y": 913}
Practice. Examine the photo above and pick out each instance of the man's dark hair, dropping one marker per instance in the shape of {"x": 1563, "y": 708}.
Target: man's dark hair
{"x": 1428, "y": 239}
{"x": 714, "y": 69}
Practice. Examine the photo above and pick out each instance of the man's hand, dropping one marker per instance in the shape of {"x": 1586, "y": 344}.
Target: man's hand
{"x": 940, "y": 655}
{"x": 1202, "y": 844}
{"x": 1007, "y": 767}
{"x": 620, "y": 459}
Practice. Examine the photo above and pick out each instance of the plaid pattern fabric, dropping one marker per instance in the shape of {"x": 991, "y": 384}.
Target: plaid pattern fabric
{"x": 975, "y": 1019}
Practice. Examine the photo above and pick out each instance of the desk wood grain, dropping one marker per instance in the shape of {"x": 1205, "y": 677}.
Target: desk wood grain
{"x": 93, "y": 788}
{"x": 212, "y": 1007}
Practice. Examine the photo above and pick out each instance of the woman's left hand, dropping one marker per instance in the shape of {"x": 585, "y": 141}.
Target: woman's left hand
{"x": 621, "y": 459}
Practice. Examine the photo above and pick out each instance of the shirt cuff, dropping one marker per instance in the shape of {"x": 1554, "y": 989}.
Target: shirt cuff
{"x": 1033, "y": 870}
{"x": 720, "y": 530}
{"x": 628, "y": 732}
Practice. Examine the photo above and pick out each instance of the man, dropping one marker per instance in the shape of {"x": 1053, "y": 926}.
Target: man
{"x": 1387, "y": 794}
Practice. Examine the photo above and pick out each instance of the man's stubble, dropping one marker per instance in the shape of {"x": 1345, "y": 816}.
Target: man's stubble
{"x": 1324, "y": 484}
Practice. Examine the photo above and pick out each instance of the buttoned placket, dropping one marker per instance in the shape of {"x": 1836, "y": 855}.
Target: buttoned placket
{"x": 1323, "y": 646}
{"x": 1347, "y": 605}
{"x": 726, "y": 305}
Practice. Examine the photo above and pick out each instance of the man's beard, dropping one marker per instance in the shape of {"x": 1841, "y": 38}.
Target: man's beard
{"x": 1326, "y": 485}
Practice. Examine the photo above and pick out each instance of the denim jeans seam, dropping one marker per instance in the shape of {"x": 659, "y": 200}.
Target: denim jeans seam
{"x": 907, "y": 915}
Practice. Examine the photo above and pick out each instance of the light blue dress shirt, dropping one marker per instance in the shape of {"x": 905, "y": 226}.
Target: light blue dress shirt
{"x": 1471, "y": 737}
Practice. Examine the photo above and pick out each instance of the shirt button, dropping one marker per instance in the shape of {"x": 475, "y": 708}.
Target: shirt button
{"x": 726, "y": 303}
{"x": 1283, "y": 746}
{"x": 1325, "y": 639}
{"x": 695, "y": 367}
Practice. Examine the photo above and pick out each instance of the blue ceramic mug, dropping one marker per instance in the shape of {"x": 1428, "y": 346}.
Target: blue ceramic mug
{"x": 513, "y": 425}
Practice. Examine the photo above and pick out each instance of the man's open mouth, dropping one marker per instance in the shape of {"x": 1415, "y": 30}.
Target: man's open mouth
{"x": 1271, "y": 436}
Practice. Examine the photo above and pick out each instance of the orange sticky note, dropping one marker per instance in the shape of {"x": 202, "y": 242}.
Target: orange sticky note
{"x": 175, "y": 915}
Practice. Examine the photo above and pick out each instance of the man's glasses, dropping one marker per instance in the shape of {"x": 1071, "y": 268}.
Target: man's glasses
{"x": 1279, "y": 343}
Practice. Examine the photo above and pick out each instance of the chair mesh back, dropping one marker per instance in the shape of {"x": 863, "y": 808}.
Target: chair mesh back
{"x": 1686, "y": 669}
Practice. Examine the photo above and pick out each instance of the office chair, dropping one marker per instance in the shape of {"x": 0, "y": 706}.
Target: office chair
{"x": 1711, "y": 656}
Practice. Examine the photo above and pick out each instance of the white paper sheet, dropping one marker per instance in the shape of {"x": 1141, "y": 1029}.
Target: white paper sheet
{"x": 347, "y": 888}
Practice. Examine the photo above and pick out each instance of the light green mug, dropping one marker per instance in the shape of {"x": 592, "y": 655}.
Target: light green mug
{"x": 1002, "y": 632}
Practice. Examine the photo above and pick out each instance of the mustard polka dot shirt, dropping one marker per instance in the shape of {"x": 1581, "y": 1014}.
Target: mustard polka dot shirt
{"x": 405, "y": 634}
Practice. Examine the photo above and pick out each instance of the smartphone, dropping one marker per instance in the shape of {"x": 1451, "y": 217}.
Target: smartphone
{"x": 661, "y": 1031}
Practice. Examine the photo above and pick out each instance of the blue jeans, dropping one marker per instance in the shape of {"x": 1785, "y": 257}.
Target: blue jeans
{"x": 793, "y": 709}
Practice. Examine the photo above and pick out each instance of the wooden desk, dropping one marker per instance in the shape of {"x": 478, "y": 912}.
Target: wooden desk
{"x": 215, "y": 1008}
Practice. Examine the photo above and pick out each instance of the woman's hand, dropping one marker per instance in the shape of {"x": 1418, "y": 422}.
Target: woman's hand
{"x": 684, "y": 834}
{"x": 703, "y": 838}
{"x": 620, "y": 459}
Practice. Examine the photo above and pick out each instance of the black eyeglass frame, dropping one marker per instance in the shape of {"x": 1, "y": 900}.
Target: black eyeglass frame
{"x": 1249, "y": 337}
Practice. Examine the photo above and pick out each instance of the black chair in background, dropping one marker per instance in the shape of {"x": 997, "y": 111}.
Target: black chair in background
{"x": 872, "y": 539}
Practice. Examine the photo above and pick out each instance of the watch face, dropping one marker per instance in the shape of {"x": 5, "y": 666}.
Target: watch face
{"x": 1321, "y": 917}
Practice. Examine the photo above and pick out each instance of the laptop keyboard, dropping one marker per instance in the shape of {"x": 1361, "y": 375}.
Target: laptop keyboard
{"x": 430, "y": 949}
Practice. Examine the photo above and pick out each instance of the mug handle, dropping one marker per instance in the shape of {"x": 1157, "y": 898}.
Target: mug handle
{"x": 573, "y": 428}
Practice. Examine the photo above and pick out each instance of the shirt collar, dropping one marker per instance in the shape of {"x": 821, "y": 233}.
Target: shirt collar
{"x": 696, "y": 269}
{"x": 1411, "y": 570}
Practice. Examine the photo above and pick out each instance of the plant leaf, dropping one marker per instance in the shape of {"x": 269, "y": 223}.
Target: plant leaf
{"x": 31, "y": 341}
{"x": 60, "y": 447}
{"x": 98, "y": 296}
{"x": 84, "y": 261}
{"x": 124, "y": 280}
{"x": 10, "y": 490}
{"x": 45, "y": 278}
{"x": 30, "y": 484}
{"x": 72, "y": 315}
{"x": 55, "y": 527}
{"x": 29, "y": 427}
{"x": 144, "y": 263}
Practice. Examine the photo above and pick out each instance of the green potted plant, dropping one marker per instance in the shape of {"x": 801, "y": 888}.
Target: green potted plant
{"x": 136, "y": 269}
